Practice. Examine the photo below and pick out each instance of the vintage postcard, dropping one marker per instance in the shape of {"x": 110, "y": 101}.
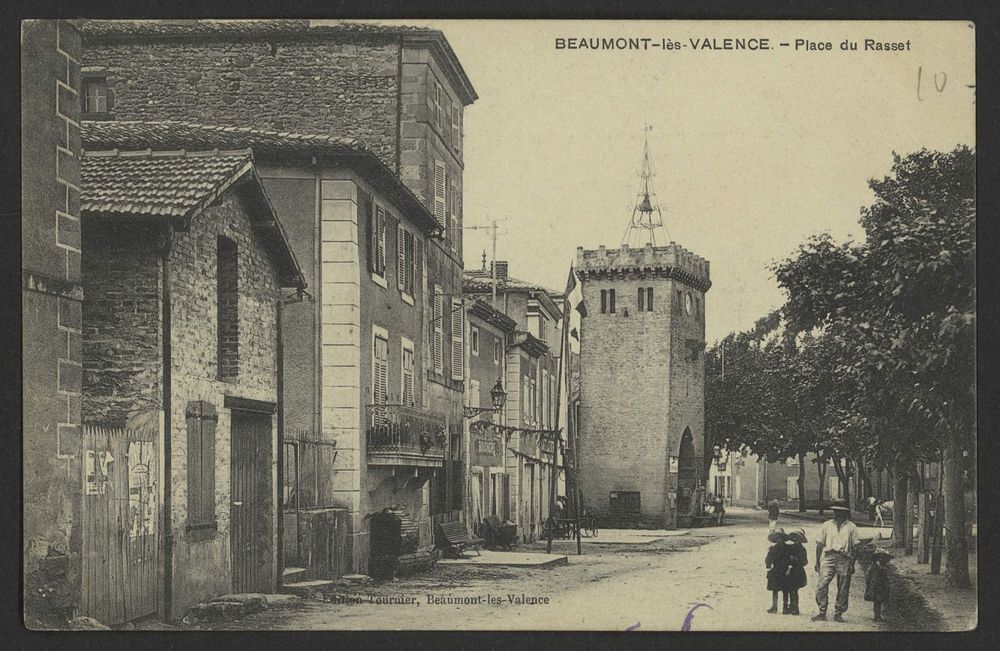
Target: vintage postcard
{"x": 499, "y": 325}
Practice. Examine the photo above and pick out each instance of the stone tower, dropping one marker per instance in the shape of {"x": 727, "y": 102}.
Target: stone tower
{"x": 642, "y": 383}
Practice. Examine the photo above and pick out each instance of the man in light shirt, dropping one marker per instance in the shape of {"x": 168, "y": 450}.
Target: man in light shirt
{"x": 836, "y": 546}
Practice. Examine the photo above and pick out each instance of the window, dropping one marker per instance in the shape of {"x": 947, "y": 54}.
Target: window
{"x": 406, "y": 361}
{"x": 406, "y": 264}
{"x": 604, "y": 301}
{"x": 611, "y": 301}
{"x": 378, "y": 238}
{"x": 440, "y": 183}
{"x": 697, "y": 306}
{"x": 96, "y": 96}
{"x": 201, "y": 420}
{"x": 457, "y": 339}
{"x": 642, "y": 299}
{"x": 649, "y": 299}
{"x": 497, "y": 350}
{"x": 438, "y": 100}
{"x": 792, "y": 485}
{"x": 438, "y": 345}
{"x": 526, "y": 398}
{"x": 227, "y": 304}
{"x": 545, "y": 398}
{"x": 680, "y": 302}
{"x": 456, "y": 126}
{"x": 454, "y": 209}
{"x": 474, "y": 333}
{"x": 687, "y": 303}
{"x": 380, "y": 366}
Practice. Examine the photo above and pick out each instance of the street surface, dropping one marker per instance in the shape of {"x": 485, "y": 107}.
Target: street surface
{"x": 611, "y": 587}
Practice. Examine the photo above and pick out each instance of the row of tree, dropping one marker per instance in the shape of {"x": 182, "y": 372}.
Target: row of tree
{"x": 870, "y": 364}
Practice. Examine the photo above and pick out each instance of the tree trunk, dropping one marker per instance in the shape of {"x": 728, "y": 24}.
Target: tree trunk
{"x": 956, "y": 545}
{"x": 838, "y": 467}
{"x": 899, "y": 507}
{"x": 911, "y": 498}
{"x": 821, "y": 470}
{"x": 923, "y": 527}
{"x": 938, "y": 533}
{"x": 802, "y": 482}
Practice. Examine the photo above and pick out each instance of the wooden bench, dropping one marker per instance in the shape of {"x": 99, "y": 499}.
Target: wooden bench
{"x": 455, "y": 539}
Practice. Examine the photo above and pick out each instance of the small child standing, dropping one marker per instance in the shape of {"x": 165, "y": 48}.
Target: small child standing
{"x": 877, "y": 581}
{"x": 776, "y": 563}
{"x": 795, "y": 575}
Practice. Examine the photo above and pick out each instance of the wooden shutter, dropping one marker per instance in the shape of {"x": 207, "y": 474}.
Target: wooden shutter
{"x": 457, "y": 340}
{"x": 380, "y": 370}
{"x": 438, "y": 330}
{"x": 400, "y": 257}
{"x": 410, "y": 268}
{"x": 440, "y": 180}
{"x": 456, "y": 126}
{"x": 456, "y": 232}
{"x": 506, "y": 496}
{"x": 380, "y": 242}
{"x": 407, "y": 372}
{"x": 201, "y": 420}
{"x": 367, "y": 225}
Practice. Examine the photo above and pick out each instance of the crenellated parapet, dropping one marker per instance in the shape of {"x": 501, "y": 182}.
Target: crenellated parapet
{"x": 673, "y": 261}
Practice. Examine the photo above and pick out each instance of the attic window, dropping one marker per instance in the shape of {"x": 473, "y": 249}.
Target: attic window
{"x": 97, "y": 98}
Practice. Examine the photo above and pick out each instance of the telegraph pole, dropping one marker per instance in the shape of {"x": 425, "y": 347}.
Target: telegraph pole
{"x": 493, "y": 264}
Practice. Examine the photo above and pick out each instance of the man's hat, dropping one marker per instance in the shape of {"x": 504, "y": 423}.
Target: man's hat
{"x": 776, "y": 536}
{"x": 798, "y": 535}
{"x": 839, "y": 507}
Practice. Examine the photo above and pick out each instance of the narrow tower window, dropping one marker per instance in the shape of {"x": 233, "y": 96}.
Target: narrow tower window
{"x": 642, "y": 299}
{"x": 649, "y": 299}
{"x": 604, "y": 301}
{"x": 227, "y": 295}
{"x": 611, "y": 301}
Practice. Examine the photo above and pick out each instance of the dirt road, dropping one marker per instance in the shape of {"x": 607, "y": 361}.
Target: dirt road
{"x": 718, "y": 572}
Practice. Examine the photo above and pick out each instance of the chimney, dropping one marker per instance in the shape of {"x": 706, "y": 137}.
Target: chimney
{"x": 501, "y": 266}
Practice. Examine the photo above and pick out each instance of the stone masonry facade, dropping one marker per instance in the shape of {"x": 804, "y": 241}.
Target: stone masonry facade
{"x": 51, "y": 299}
{"x": 642, "y": 377}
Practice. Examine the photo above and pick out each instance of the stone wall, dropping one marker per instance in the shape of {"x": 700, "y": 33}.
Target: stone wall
{"x": 122, "y": 316}
{"x": 342, "y": 86}
{"x": 51, "y": 319}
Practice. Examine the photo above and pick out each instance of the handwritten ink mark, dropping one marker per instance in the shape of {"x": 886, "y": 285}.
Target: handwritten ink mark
{"x": 690, "y": 616}
{"x": 632, "y": 627}
{"x": 940, "y": 81}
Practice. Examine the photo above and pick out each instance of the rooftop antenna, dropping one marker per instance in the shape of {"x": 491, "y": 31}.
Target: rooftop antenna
{"x": 646, "y": 214}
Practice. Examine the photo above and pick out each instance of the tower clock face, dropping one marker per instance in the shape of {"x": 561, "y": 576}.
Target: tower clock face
{"x": 687, "y": 302}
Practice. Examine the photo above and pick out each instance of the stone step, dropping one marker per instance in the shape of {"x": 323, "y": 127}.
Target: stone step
{"x": 306, "y": 589}
{"x": 293, "y": 574}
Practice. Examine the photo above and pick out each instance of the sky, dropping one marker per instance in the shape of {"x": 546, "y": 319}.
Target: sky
{"x": 755, "y": 151}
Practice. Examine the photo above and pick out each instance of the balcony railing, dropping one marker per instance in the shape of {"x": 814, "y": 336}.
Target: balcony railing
{"x": 400, "y": 435}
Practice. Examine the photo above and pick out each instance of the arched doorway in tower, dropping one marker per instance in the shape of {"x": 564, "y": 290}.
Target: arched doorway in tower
{"x": 687, "y": 474}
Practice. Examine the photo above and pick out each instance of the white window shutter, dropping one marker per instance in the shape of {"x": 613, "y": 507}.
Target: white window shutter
{"x": 457, "y": 340}
{"x": 438, "y": 331}
{"x": 380, "y": 243}
{"x": 400, "y": 257}
{"x": 455, "y": 230}
{"x": 456, "y": 125}
{"x": 440, "y": 208}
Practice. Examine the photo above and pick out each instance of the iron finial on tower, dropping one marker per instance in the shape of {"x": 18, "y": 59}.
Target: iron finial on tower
{"x": 647, "y": 216}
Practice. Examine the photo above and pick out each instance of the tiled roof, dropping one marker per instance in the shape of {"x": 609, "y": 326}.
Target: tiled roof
{"x": 167, "y": 134}
{"x": 482, "y": 281}
{"x": 93, "y": 27}
{"x": 170, "y": 184}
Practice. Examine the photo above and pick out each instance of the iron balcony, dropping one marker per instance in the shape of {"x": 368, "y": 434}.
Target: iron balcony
{"x": 405, "y": 436}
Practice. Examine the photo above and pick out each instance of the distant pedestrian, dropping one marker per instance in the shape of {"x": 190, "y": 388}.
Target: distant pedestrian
{"x": 719, "y": 510}
{"x": 776, "y": 563}
{"x": 772, "y": 515}
{"x": 836, "y": 548}
{"x": 795, "y": 576}
{"x": 877, "y": 581}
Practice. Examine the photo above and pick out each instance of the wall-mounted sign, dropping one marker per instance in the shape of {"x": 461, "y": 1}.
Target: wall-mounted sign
{"x": 674, "y": 464}
{"x": 486, "y": 451}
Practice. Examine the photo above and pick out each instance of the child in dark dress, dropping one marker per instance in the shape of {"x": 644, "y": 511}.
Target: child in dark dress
{"x": 795, "y": 575}
{"x": 776, "y": 563}
{"x": 877, "y": 581}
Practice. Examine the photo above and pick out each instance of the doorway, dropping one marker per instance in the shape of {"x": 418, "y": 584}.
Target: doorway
{"x": 251, "y": 502}
{"x": 687, "y": 473}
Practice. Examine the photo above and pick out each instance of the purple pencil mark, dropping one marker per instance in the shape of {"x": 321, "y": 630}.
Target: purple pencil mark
{"x": 687, "y": 619}
{"x": 632, "y": 627}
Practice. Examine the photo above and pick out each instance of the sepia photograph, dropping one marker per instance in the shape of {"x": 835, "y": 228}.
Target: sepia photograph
{"x": 499, "y": 325}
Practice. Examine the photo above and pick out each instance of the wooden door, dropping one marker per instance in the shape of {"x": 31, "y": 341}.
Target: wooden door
{"x": 250, "y": 510}
{"x": 120, "y": 530}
